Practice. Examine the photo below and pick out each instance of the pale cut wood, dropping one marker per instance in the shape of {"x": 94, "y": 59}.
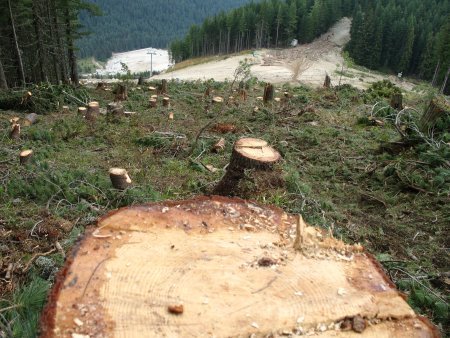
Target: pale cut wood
{"x": 217, "y": 99}
{"x": 171, "y": 115}
{"x": 82, "y": 111}
{"x": 153, "y": 103}
{"x": 219, "y": 145}
{"x": 25, "y": 156}
{"x": 14, "y": 120}
{"x": 119, "y": 178}
{"x": 224, "y": 268}
{"x": 65, "y": 109}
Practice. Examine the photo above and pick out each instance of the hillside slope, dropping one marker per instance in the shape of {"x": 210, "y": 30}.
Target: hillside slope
{"x": 128, "y": 25}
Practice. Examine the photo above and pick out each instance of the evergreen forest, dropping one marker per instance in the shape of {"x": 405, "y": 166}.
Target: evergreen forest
{"x": 129, "y": 25}
{"x": 38, "y": 40}
{"x": 411, "y": 37}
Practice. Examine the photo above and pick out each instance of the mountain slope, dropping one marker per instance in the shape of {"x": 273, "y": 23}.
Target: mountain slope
{"x": 128, "y": 25}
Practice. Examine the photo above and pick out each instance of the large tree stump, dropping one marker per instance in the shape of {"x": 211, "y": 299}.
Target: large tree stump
{"x": 115, "y": 110}
{"x": 437, "y": 108}
{"x": 121, "y": 93}
{"x": 397, "y": 101}
{"x": 141, "y": 81}
{"x": 92, "y": 111}
{"x": 224, "y": 268}
{"x": 166, "y": 102}
{"x": 268, "y": 93}
{"x": 248, "y": 153}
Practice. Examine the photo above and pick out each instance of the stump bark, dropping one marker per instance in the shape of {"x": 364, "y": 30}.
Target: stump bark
{"x": 166, "y": 102}
{"x": 397, "y": 101}
{"x": 437, "y": 108}
{"x": 164, "y": 89}
{"x": 327, "y": 82}
{"x": 225, "y": 267}
{"x": 119, "y": 178}
{"x": 115, "y": 110}
{"x": 14, "y": 133}
{"x": 82, "y": 111}
{"x": 268, "y": 93}
{"x": 101, "y": 86}
{"x": 248, "y": 153}
{"x": 92, "y": 111}
{"x": 121, "y": 93}
{"x": 153, "y": 103}
{"x": 141, "y": 81}
{"x": 25, "y": 156}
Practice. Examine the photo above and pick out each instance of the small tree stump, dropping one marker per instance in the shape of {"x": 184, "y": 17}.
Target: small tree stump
{"x": 82, "y": 111}
{"x": 14, "y": 120}
{"x": 14, "y": 134}
{"x": 26, "y": 96}
{"x": 327, "y": 82}
{"x": 25, "y": 156}
{"x": 153, "y": 103}
{"x": 93, "y": 110}
{"x": 119, "y": 178}
{"x": 268, "y": 93}
{"x": 101, "y": 86}
{"x": 140, "y": 81}
{"x": 171, "y": 115}
{"x": 163, "y": 88}
{"x": 243, "y": 94}
{"x": 152, "y": 89}
{"x": 115, "y": 109}
{"x": 397, "y": 101}
{"x": 65, "y": 109}
{"x": 207, "y": 92}
{"x": 217, "y": 100}
{"x": 166, "y": 102}
{"x": 218, "y": 146}
{"x": 121, "y": 93}
{"x": 211, "y": 261}
{"x": 437, "y": 108}
{"x": 248, "y": 153}
{"x": 30, "y": 119}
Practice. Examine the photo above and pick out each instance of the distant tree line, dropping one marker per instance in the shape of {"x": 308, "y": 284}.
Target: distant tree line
{"x": 408, "y": 36}
{"x": 265, "y": 24}
{"x": 37, "y": 41}
{"x": 129, "y": 25}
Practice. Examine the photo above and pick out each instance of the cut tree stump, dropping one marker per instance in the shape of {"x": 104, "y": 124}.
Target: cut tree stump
{"x": 25, "y": 156}
{"x": 153, "y": 103}
{"x": 248, "y": 153}
{"x": 141, "y": 81}
{"x": 163, "y": 87}
{"x": 327, "y": 82}
{"x": 121, "y": 93}
{"x": 30, "y": 119}
{"x": 225, "y": 268}
{"x": 101, "y": 86}
{"x": 14, "y": 133}
{"x": 397, "y": 101}
{"x": 218, "y": 146}
{"x": 166, "y": 102}
{"x": 115, "y": 110}
{"x": 152, "y": 89}
{"x": 93, "y": 110}
{"x": 65, "y": 109}
{"x": 217, "y": 100}
{"x": 82, "y": 111}
{"x": 268, "y": 93}
{"x": 437, "y": 108}
{"x": 119, "y": 178}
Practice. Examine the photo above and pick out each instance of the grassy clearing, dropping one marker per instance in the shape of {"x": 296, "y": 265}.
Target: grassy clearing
{"x": 333, "y": 171}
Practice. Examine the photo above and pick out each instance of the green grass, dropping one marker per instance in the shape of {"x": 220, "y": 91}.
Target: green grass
{"x": 333, "y": 172}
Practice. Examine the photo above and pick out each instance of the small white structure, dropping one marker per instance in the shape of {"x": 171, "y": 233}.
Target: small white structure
{"x": 294, "y": 43}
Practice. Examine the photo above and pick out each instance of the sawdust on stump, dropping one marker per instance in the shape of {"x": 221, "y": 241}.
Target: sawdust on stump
{"x": 224, "y": 268}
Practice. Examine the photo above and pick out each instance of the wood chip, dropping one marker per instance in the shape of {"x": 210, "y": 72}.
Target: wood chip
{"x": 78, "y": 322}
{"x": 176, "y": 309}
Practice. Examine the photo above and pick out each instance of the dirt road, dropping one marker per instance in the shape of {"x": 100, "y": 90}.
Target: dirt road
{"x": 306, "y": 64}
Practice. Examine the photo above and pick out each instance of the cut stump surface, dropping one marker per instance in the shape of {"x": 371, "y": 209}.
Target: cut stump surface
{"x": 204, "y": 256}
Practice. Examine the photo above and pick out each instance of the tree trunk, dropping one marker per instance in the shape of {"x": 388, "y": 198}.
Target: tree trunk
{"x": 40, "y": 46}
{"x": 71, "y": 47}
{"x": 444, "y": 84}
{"x": 16, "y": 46}
{"x": 397, "y": 101}
{"x": 54, "y": 48}
{"x": 62, "y": 55}
{"x": 436, "y": 72}
{"x": 3, "y": 83}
